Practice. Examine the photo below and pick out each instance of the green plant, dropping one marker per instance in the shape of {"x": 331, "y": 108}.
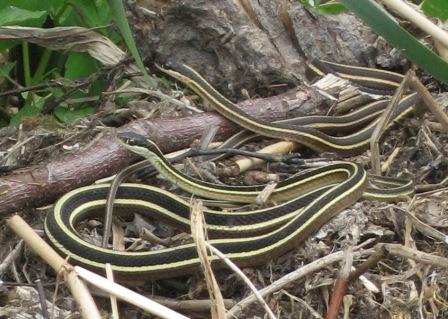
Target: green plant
{"x": 436, "y": 8}
{"x": 29, "y": 65}
{"x": 324, "y": 6}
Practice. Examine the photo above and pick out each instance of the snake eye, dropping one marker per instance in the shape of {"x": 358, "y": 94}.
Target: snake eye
{"x": 131, "y": 141}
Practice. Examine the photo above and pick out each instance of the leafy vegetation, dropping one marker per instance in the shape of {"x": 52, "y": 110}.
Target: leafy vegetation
{"x": 324, "y": 6}
{"x": 436, "y": 8}
{"x": 27, "y": 65}
{"x": 122, "y": 24}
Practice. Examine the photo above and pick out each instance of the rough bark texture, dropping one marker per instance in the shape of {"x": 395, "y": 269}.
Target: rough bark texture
{"x": 253, "y": 46}
{"x": 42, "y": 184}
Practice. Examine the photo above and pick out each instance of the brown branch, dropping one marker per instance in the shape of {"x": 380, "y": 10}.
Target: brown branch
{"x": 42, "y": 184}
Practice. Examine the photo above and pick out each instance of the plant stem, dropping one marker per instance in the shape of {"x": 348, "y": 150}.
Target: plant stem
{"x": 43, "y": 63}
{"x": 26, "y": 63}
{"x": 418, "y": 19}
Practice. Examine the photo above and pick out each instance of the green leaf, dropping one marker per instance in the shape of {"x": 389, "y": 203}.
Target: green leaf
{"x": 67, "y": 115}
{"x": 79, "y": 65}
{"x": 87, "y": 13}
{"x": 32, "y": 107}
{"x": 6, "y": 44}
{"x": 332, "y": 7}
{"x": 67, "y": 17}
{"x": 34, "y": 5}
{"x": 96, "y": 13}
{"x": 436, "y": 8}
{"x": 26, "y": 111}
{"x": 374, "y": 16}
{"x": 10, "y": 15}
{"x": 119, "y": 15}
{"x": 6, "y": 68}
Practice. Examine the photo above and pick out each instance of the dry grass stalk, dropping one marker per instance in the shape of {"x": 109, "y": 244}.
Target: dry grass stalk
{"x": 78, "y": 289}
{"x": 429, "y": 101}
{"x": 13, "y": 255}
{"x": 250, "y": 11}
{"x": 384, "y": 120}
{"x": 127, "y": 295}
{"x": 113, "y": 299}
{"x": 418, "y": 19}
{"x": 416, "y": 255}
{"x": 282, "y": 147}
{"x": 238, "y": 271}
{"x": 218, "y": 309}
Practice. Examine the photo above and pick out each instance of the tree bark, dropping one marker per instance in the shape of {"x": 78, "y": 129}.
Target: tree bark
{"x": 42, "y": 184}
{"x": 251, "y": 45}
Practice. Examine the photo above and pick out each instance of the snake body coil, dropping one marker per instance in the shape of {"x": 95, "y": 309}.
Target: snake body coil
{"x": 309, "y": 198}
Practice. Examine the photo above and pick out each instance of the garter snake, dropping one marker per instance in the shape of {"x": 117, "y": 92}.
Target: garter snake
{"x": 308, "y": 136}
{"x": 78, "y": 204}
{"x": 369, "y": 80}
{"x": 310, "y": 198}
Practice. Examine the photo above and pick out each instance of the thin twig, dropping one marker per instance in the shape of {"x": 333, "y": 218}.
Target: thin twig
{"x": 193, "y": 305}
{"x": 36, "y": 87}
{"x": 429, "y": 101}
{"x": 153, "y": 93}
{"x": 423, "y": 227}
{"x": 293, "y": 277}
{"x": 369, "y": 263}
{"x": 246, "y": 280}
{"x": 386, "y": 165}
{"x": 383, "y": 122}
{"x": 188, "y": 306}
{"x": 15, "y": 148}
{"x": 312, "y": 311}
{"x": 405, "y": 252}
{"x": 13, "y": 255}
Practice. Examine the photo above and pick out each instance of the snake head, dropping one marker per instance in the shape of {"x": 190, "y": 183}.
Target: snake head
{"x": 178, "y": 70}
{"x": 139, "y": 144}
